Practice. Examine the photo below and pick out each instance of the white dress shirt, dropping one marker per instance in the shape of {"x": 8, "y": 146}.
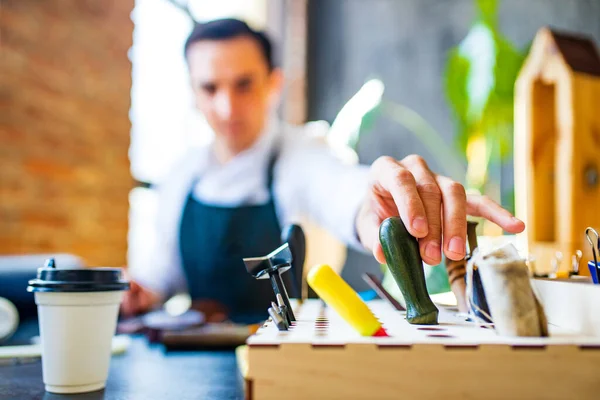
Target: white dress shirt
{"x": 310, "y": 180}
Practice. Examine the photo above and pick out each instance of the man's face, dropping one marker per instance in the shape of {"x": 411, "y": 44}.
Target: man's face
{"x": 233, "y": 87}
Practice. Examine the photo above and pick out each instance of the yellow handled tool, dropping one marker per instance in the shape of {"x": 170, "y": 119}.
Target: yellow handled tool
{"x": 337, "y": 294}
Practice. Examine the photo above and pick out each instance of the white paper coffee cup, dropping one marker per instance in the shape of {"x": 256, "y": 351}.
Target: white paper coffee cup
{"x": 77, "y": 311}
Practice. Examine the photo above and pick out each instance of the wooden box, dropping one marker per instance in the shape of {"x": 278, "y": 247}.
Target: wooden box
{"x": 322, "y": 357}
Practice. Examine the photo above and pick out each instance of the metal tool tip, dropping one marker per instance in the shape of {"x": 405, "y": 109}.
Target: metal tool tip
{"x": 280, "y": 300}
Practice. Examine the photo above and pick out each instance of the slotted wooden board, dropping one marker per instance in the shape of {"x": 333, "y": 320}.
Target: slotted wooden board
{"x": 323, "y": 357}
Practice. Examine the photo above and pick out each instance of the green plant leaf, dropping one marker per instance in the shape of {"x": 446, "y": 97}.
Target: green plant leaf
{"x": 455, "y": 85}
{"x": 368, "y": 121}
{"x": 498, "y": 116}
{"x": 508, "y": 200}
{"x": 479, "y": 48}
{"x": 488, "y": 10}
{"x": 479, "y": 82}
{"x": 507, "y": 67}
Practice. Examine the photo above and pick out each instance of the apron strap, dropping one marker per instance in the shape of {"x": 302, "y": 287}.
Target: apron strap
{"x": 270, "y": 181}
{"x": 270, "y": 168}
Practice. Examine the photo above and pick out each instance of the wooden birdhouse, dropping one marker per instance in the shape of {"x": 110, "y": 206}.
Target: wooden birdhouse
{"x": 557, "y": 146}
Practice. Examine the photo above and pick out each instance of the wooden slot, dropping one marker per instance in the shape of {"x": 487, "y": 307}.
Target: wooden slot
{"x": 544, "y": 161}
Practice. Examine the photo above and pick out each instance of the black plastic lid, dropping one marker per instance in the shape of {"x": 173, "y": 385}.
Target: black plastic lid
{"x": 52, "y": 279}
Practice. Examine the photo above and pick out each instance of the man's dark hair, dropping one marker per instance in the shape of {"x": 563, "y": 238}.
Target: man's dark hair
{"x": 229, "y": 28}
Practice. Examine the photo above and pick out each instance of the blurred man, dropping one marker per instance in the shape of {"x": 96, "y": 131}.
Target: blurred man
{"x": 230, "y": 199}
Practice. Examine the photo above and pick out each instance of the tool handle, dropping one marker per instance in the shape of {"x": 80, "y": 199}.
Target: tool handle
{"x": 472, "y": 236}
{"x": 376, "y": 285}
{"x": 294, "y": 236}
{"x": 456, "y": 275}
{"x": 404, "y": 262}
{"x": 340, "y": 296}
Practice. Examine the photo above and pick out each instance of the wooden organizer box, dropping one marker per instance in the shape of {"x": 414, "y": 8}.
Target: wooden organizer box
{"x": 322, "y": 357}
{"x": 557, "y": 146}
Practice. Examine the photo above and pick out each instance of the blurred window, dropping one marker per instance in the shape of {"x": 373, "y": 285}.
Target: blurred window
{"x": 164, "y": 121}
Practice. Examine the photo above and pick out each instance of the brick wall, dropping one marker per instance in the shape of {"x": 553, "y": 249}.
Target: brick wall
{"x": 65, "y": 82}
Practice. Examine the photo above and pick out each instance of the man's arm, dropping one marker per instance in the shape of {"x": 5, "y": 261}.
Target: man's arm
{"x": 351, "y": 201}
{"x": 156, "y": 271}
{"x": 313, "y": 181}
{"x": 320, "y": 183}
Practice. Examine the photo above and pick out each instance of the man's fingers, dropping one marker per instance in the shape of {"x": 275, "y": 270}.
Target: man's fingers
{"x": 148, "y": 299}
{"x": 398, "y": 181}
{"x": 368, "y": 223}
{"x": 434, "y": 209}
{"x": 454, "y": 200}
{"x": 129, "y": 304}
{"x": 483, "y": 206}
{"x": 379, "y": 255}
{"x": 431, "y": 196}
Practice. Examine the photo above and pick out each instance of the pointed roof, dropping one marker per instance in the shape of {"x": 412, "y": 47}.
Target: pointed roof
{"x": 578, "y": 51}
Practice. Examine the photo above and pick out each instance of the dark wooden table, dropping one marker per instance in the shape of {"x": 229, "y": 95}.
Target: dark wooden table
{"x": 144, "y": 372}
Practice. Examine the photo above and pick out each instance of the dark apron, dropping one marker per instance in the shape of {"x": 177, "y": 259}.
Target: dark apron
{"x": 214, "y": 240}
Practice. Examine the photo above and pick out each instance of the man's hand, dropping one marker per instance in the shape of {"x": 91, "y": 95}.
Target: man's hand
{"x": 138, "y": 299}
{"x": 434, "y": 209}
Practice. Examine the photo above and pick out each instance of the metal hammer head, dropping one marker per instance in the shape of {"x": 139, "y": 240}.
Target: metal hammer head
{"x": 279, "y": 259}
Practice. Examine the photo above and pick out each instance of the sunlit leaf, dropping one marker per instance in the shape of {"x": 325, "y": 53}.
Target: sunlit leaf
{"x": 368, "y": 120}
{"x": 488, "y": 10}
{"x": 507, "y": 67}
{"x": 455, "y": 85}
{"x": 479, "y": 81}
{"x": 479, "y": 48}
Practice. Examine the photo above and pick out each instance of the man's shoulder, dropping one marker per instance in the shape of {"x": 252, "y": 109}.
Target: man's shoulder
{"x": 308, "y": 133}
{"x": 184, "y": 167}
{"x": 311, "y": 140}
